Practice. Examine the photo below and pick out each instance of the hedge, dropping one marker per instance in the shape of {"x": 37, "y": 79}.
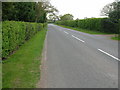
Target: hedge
{"x": 91, "y": 24}
{"x": 71, "y": 23}
{"x": 94, "y": 24}
{"x": 14, "y": 34}
{"x": 119, "y": 27}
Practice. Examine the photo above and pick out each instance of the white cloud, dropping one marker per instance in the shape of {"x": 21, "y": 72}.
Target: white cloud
{"x": 80, "y": 8}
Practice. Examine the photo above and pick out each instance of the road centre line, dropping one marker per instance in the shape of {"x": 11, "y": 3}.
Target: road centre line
{"x": 66, "y": 32}
{"x": 108, "y": 54}
{"x": 98, "y": 49}
{"x": 77, "y": 38}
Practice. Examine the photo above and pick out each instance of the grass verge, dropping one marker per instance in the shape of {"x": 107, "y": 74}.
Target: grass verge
{"x": 21, "y": 70}
{"x": 116, "y": 38}
{"x": 0, "y": 75}
{"x": 84, "y": 30}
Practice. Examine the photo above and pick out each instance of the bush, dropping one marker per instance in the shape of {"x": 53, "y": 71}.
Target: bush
{"x": 14, "y": 34}
{"x": 95, "y": 24}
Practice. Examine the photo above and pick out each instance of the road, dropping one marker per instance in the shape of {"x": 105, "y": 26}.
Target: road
{"x": 79, "y": 60}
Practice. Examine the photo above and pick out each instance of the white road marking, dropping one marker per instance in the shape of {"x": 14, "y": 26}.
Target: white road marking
{"x": 66, "y": 32}
{"x": 77, "y": 38}
{"x": 108, "y": 54}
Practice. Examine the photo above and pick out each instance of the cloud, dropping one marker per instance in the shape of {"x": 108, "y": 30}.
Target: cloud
{"x": 80, "y": 8}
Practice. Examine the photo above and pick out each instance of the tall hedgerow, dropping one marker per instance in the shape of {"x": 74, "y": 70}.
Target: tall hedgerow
{"x": 94, "y": 24}
{"x": 14, "y": 34}
{"x": 90, "y": 23}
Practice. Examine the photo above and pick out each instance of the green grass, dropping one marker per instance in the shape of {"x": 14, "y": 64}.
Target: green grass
{"x": 116, "y": 38}
{"x": 0, "y": 61}
{"x": 84, "y": 30}
{"x": 22, "y": 69}
{"x": 0, "y": 55}
{"x": 0, "y": 75}
{"x": 0, "y": 44}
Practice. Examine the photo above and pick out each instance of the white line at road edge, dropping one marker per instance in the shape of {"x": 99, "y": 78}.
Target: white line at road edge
{"x": 66, "y": 32}
{"x": 108, "y": 54}
{"x": 77, "y": 38}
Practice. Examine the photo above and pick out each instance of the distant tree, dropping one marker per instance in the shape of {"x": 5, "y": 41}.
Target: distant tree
{"x": 112, "y": 10}
{"x": 53, "y": 17}
{"x": 67, "y": 17}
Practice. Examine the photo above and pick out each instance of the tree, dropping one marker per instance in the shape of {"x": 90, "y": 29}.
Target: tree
{"x": 53, "y": 17}
{"x": 112, "y": 10}
{"x": 18, "y": 11}
{"x": 67, "y": 17}
{"x": 43, "y": 8}
{"x": 0, "y": 12}
{"x": 7, "y": 10}
{"x": 40, "y": 13}
{"x": 27, "y": 11}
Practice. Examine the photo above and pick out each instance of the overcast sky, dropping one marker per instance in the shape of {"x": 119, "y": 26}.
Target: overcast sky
{"x": 80, "y": 8}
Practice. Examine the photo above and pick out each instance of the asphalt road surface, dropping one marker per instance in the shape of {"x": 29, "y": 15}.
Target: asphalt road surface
{"x": 79, "y": 60}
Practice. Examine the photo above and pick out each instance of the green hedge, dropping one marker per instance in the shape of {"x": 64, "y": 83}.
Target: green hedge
{"x": 71, "y": 23}
{"x": 94, "y": 24}
{"x": 91, "y": 24}
{"x": 119, "y": 27}
{"x": 14, "y": 34}
{"x": 109, "y": 26}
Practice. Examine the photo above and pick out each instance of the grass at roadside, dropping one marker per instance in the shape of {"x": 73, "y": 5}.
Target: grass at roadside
{"x": 116, "y": 38}
{"x": 21, "y": 70}
{"x": 84, "y": 30}
{"x": 0, "y": 55}
{"x": 0, "y": 76}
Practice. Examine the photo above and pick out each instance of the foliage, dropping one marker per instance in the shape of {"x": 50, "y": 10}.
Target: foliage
{"x": 7, "y": 11}
{"x": 109, "y": 26}
{"x": 72, "y": 23}
{"x": 52, "y": 17}
{"x": 90, "y": 23}
{"x": 16, "y": 33}
{"x": 83, "y": 30}
{"x": 116, "y": 38}
{"x": 67, "y": 17}
{"x": 27, "y": 11}
{"x": 115, "y": 15}
{"x": 24, "y": 11}
{"x": 18, "y": 11}
{"x": 40, "y": 13}
{"x": 93, "y": 24}
{"x": 22, "y": 69}
{"x": 112, "y": 10}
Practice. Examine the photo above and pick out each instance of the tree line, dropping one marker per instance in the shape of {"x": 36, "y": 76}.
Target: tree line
{"x": 107, "y": 25}
{"x": 38, "y": 11}
{"x": 27, "y": 11}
